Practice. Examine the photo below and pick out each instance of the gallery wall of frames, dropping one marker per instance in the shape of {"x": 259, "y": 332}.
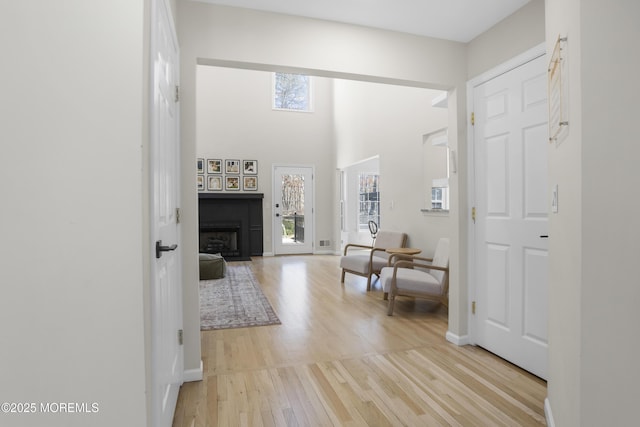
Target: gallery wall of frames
{"x": 227, "y": 175}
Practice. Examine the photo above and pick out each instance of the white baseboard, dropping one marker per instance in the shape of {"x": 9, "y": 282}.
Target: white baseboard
{"x": 191, "y": 375}
{"x": 548, "y": 414}
{"x": 456, "y": 339}
{"x": 324, "y": 252}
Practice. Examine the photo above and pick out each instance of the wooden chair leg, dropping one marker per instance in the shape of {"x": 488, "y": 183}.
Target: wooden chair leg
{"x": 369, "y": 283}
{"x": 342, "y": 278}
{"x": 385, "y": 296}
{"x": 392, "y": 300}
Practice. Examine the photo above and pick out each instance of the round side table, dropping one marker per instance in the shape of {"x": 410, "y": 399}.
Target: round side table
{"x": 403, "y": 251}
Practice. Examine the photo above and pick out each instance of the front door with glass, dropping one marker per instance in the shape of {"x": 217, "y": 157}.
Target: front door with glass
{"x": 292, "y": 210}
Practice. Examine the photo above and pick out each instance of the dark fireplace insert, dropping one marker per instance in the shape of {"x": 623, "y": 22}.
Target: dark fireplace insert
{"x": 220, "y": 238}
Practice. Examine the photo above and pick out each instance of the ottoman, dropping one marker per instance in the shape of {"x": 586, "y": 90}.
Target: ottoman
{"x": 212, "y": 266}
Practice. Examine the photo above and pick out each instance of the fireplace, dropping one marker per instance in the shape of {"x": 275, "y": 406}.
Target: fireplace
{"x": 231, "y": 224}
{"x": 220, "y": 238}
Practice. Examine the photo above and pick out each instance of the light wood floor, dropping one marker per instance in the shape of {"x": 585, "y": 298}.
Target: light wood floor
{"x": 337, "y": 359}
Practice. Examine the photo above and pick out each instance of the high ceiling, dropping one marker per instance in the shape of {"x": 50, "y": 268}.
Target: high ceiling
{"x": 458, "y": 20}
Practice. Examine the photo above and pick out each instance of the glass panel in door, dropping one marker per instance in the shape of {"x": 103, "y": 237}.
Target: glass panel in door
{"x": 292, "y": 218}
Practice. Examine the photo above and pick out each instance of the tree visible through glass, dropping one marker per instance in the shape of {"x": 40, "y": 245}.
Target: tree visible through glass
{"x": 369, "y": 209}
{"x": 292, "y": 92}
{"x": 292, "y": 208}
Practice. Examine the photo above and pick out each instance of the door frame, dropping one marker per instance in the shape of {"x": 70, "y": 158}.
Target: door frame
{"x": 276, "y": 234}
{"x": 513, "y": 63}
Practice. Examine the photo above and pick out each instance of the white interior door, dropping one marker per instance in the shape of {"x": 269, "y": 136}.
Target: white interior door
{"x": 166, "y": 289}
{"x": 292, "y": 210}
{"x": 511, "y": 245}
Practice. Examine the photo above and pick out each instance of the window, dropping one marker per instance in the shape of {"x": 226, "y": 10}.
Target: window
{"x": 436, "y": 170}
{"x": 291, "y": 92}
{"x": 440, "y": 194}
{"x": 369, "y": 206}
{"x": 439, "y": 198}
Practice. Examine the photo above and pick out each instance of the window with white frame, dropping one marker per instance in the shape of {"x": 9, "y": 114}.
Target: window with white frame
{"x": 369, "y": 203}
{"x": 292, "y": 92}
{"x": 440, "y": 194}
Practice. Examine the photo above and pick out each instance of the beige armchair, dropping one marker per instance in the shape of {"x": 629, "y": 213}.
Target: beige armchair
{"x": 374, "y": 259}
{"x": 418, "y": 277}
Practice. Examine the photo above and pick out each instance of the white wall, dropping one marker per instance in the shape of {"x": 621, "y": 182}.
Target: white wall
{"x": 235, "y": 120}
{"x": 389, "y": 121}
{"x": 71, "y": 165}
{"x": 517, "y": 33}
{"x": 565, "y": 229}
{"x": 594, "y": 315}
{"x": 611, "y": 236}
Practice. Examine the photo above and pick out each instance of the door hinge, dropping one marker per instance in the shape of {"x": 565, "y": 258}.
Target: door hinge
{"x": 473, "y": 214}
{"x": 473, "y": 307}
{"x": 473, "y": 118}
{"x": 180, "y": 337}
{"x": 177, "y": 98}
{"x": 177, "y": 215}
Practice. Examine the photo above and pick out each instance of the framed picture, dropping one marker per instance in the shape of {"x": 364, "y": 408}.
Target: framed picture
{"x": 232, "y": 167}
{"x": 250, "y": 167}
{"x": 232, "y": 183}
{"x": 200, "y": 166}
{"x": 214, "y": 183}
{"x": 250, "y": 183}
{"x": 200, "y": 182}
{"x": 214, "y": 166}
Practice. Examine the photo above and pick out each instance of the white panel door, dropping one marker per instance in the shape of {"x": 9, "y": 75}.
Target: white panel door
{"x": 511, "y": 245}
{"x": 292, "y": 210}
{"x": 166, "y": 288}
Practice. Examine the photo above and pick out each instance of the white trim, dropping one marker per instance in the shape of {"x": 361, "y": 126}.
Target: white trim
{"x": 523, "y": 58}
{"x": 505, "y": 67}
{"x": 368, "y": 159}
{"x": 441, "y": 101}
{"x": 265, "y": 254}
{"x": 191, "y": 375}
{"x": 456, "y": 339}
{"x": 324, "y": 252}
{"x": 548, "y": 414}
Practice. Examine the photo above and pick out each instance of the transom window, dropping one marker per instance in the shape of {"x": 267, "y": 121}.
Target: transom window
{"x": 292, "y": 92}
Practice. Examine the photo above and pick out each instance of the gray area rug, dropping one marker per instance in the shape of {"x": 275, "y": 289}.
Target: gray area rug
{"x": 235, "y": 301}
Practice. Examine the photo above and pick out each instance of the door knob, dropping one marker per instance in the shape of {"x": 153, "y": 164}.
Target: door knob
{"x": 160, "y": 248}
